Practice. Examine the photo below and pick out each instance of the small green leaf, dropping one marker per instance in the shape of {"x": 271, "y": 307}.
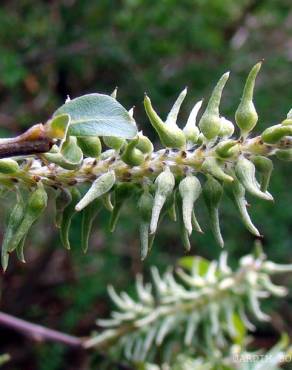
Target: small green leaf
{"x": 98, "y": 115}
{"x": 56, "y": 127}
{"x": 190, "y": 262}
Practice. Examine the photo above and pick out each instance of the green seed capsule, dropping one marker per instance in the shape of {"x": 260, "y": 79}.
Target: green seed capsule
{"x": 113, "y": 142}
{"x": 170, "y": 135}
{"x": 20, "y": 250}
{"x": 144, "y": 144}
{"x": 131, "y": 155}
{"x": 265, "y": 167}
{"x": 287, "y": 122}
{"x": 227, "y": 148}
{"x": 8, "y": 166}
{"x": 145, "y": 205}
{"x": 14, "y": 219}
{"x": 63, "y": 199}
{"x": 122, "y": 192}
{"x": 284, "y": 154}
{"x": 164, "y": 184}
{"x": 212, "y": 192}
{"x": 183, "y": 230}
{"x": 68, "y": 214}
{"x": 245, "y": 172}
{"x": 100, "y": 186}
{"x": 227, "y": 128}
{"x": 107, "y": 201}
{"x": 273, "y": 134}
{"x": 246, "y": 116}
{"x": 170, "y": 207}
{"x": 36, "y": 204}
{"x": 191, "y": 130}
{"x": 172, "y": 115}
{"x": 236, "y": 193}
{"x": 210, "y": 122}
{"x": 88, "y": 216}
{"x": 90, "y": 146}
{"x": 212, "y": 166}
{"x": 189, "y": 190}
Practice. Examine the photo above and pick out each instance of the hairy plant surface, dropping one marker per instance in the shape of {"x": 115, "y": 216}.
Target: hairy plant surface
{"x": 66, "y": 154}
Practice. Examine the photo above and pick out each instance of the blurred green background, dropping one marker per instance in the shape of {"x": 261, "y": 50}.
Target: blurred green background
{"x": 51, "y": 49}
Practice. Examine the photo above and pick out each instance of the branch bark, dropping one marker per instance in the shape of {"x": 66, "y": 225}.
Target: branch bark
{"x": 38, "y": 332}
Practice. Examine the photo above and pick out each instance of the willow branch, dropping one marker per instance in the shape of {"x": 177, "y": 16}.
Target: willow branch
{"x": 39, "y": 333}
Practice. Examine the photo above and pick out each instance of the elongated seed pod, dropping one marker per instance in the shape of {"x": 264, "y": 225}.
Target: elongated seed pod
{"x": 189, "y": 190}
{"x": 164, "y": 184}
{"x": 63, "y": 199}
{"x": 245, "y": 172}
{"x": 13, "y": 221}
{"x": 131, "y": 155}
{"x": 246, "y": 116}
{"x": 273, "y": 134}
{"x": 170, "y": 135}
{"x": 8, "y": 166}
{"x": 212, "y": 192}
{"x": 210, "y": 123}
{"x": 20, "y": 250}
{"x": 172, "y": 115}
{"x": 68, "y": 214}
{"x": 35, "y": 206}
{"x": 123, "y": 192}
{"x": 196, "y": 224}
{"x": 170, "y": 207}
{"x": 90, "y": 146}
{"x": 145, "y": 205}
{"x": 88, "y": 216}
{"x": 265, "y": 167}
{"x": 100, "y": 186}
{"x": 191, "y": 130}
{"x": 107, "y": 201}
{"x": 236, "y": 193}
{"x": 183, "y": 230}
{"x": 212, "y": 166}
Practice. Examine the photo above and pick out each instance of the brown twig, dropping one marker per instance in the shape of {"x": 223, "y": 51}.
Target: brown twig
{"x": 38, "y": 332}
{"x": 32, "y": 141}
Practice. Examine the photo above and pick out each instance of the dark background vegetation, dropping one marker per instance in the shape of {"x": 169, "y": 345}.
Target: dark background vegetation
{"x": 49, "y": 49}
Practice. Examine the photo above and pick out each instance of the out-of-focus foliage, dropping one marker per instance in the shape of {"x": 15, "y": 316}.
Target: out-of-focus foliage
{"x": 54, "y": 48}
